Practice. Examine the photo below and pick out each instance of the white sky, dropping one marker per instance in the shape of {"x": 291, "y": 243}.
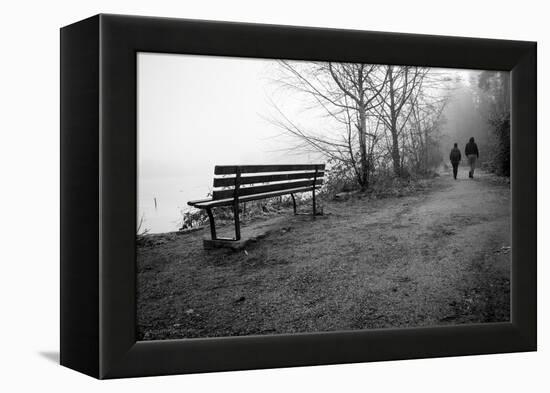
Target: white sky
{"x": 202, "y": 110}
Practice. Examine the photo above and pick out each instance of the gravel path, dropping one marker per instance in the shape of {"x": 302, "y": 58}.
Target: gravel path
{"x": 437, "y": 257}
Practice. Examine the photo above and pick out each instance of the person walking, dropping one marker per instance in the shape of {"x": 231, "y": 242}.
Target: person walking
{"x": 472, "y": 153}
{"x": 455, "y": 158}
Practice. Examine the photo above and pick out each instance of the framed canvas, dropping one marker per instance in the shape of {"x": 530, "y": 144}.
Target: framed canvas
{"x": 391, "y": 258}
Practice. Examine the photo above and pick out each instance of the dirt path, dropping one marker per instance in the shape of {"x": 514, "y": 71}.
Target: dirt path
{"x": 439, "y": 257}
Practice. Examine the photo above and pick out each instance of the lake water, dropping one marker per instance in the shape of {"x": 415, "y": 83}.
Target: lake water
{"x": 171, "y": 195}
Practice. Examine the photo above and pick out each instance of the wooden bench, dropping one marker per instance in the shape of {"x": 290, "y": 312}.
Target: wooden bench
{"x": 244, "y": 183}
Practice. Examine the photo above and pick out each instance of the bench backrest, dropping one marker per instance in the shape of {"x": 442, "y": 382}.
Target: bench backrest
{"x": 243, "y": 180}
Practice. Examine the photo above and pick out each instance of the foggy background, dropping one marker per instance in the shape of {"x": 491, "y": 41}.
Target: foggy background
{"x": 195, "y": 112}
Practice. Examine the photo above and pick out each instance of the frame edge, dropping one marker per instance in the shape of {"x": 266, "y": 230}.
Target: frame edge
{"x": 122, "y": 356}
{"x": 79, "y": 149}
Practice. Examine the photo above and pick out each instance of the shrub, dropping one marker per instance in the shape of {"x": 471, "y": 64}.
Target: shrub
{"x": 339, "y": 178}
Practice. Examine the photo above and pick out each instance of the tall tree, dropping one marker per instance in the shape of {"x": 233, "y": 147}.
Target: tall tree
{"x": 494, "y": 104}
{"x": 348, "y": 93}
{"x": 395, "y": 105}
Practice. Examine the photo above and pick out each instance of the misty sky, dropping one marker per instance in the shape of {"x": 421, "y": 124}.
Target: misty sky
{"x": 195, "y": 112}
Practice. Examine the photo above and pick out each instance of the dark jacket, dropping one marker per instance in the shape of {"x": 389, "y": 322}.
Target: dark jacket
{"x": 471, "y": 148}
{"x": 455, "y": 156}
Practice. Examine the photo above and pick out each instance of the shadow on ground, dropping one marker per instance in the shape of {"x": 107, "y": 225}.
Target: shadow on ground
{"x": 52, "y": 356}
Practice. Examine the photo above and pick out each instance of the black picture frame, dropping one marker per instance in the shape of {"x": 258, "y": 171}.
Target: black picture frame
{"x": 98, "y": 196}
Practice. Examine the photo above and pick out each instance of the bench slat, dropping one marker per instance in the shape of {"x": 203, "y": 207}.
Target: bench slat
{"x": 230, "y": 181}
{"x": 262, "y": 189}
{"x": 231, "y": 169}
{"x": 265, "y": 195}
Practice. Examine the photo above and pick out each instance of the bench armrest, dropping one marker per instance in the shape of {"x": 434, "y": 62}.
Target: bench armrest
{"x": 195, "y": 202}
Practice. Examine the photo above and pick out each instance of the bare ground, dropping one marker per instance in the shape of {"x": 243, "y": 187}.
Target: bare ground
{"x": 438, "y": 257}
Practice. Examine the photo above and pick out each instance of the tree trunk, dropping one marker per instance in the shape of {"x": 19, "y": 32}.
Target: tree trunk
{"x": 364, "y": 181}
{"x": 393, "y": 126}
{"x": 396, "y": 157}
{"x": 426, "y": 151}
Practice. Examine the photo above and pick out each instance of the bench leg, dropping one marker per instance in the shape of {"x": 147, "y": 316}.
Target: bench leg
{"x": 293, "y": 202}
{"x": 212, "y": 224}
{"x": 314, "y": 207}
{"x": 237, "y": 222}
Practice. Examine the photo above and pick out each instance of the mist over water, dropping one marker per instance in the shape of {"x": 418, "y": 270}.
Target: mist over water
{"x": 171, "y": 196}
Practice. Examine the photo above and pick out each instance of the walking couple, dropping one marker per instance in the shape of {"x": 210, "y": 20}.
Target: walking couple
{"x": 471, "y": 152}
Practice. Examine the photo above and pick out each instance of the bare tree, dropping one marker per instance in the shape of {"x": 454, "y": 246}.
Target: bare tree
{"x": 348, "y": 93}
{"x": 396, "y": 105}
{"x": 386, "y": 116}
